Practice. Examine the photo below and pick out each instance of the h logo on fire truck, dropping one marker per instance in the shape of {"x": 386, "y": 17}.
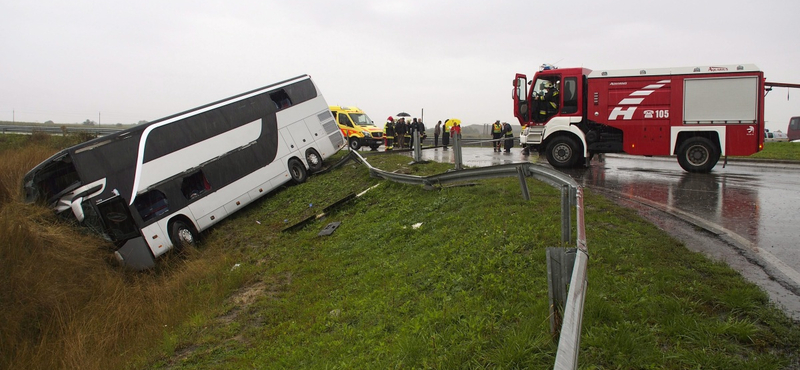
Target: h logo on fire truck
{"x": 633, "y": 100}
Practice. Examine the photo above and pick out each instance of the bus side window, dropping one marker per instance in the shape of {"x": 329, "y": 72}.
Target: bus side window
{"x": 151, "y": 204}
{"x": 194, "y": 185}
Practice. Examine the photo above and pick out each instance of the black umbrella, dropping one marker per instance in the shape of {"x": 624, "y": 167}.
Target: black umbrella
{"x": 403, "y": 114}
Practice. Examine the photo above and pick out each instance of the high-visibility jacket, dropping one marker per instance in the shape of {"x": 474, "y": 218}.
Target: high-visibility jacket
{"x": 497, "y": 128}
{"x": 388, "y": 129}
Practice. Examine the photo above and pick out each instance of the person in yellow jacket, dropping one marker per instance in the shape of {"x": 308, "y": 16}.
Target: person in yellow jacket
{"x": 497, "y": 133}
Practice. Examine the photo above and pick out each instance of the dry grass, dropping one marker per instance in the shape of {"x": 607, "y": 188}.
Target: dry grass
{"x": 66, "y": 305}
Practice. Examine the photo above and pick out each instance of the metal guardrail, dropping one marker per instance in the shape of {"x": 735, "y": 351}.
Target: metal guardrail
{"x": 571, "y": 195}
{"x": 60, "y": 130}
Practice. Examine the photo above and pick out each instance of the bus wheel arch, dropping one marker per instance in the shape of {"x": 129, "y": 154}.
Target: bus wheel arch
{"x": 563, "y": 151}
{"x": 297, "y": 170}
{"x": 314, "y": 160}
{"x": 182, "y": 233}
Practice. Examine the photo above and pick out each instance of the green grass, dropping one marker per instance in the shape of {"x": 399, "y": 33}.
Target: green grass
{"x": 779, "y": 151}
{"x": 467, "y": 289}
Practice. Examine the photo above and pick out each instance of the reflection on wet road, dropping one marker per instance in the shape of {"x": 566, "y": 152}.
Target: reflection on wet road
{"x": 758, "y": 202}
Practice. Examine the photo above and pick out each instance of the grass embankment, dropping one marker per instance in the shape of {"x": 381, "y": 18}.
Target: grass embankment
{"x": 468, "y": 288}
{"x": 779, "y": 151}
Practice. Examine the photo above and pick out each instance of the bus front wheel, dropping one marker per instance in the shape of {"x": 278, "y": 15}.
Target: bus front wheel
{"x": 182, "y": 235}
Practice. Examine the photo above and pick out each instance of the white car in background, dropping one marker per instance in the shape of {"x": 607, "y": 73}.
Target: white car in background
{"x": 771, "y": 137}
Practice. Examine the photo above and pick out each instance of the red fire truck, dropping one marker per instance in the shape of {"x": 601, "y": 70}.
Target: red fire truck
{"x": 695, "y": 113}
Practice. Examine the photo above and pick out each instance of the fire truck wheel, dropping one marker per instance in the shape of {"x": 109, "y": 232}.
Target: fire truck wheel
{"x": 354, "y": 144}
{"x": 314, "y": 160}
{"x": 298, "y": 171}
{"x": 698, "y": 154}
{"x": 182, "y": 235}
{"x": 562, "y": 152}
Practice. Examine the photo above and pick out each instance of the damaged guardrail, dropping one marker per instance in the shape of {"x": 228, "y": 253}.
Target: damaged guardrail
{"x": 571, "y": 195}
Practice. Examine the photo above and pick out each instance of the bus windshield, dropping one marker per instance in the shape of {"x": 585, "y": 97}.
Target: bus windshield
{"x": 52, "y": 180}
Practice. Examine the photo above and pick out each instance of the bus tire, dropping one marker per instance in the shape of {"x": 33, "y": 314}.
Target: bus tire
{"x": 562, "y": 152}
{"x": 298, "y": 171}
{"x": 354, "y": 143}
{"x": 182, "y": 235}
{"x": 698, "y": 155}
{"x": 314, "y": 160}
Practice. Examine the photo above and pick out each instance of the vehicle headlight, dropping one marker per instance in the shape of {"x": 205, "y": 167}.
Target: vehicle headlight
{"x": 366, "y": 134}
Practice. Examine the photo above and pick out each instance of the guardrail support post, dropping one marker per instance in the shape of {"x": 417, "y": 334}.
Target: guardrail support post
{"x": 523, "y": 183}
{"x": 457, "y": 151}
{"x": 560, "y": 263}
{"x": 417, "y": 147}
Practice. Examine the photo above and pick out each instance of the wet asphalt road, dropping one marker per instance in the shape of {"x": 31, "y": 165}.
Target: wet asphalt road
{"x": 750, "y": 210}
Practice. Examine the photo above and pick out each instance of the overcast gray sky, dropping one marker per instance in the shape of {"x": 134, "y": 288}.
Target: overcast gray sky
{"x": 126, "y": 61}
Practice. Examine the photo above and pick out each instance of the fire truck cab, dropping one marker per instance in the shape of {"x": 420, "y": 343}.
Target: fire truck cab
{"x": 695, "y": 113}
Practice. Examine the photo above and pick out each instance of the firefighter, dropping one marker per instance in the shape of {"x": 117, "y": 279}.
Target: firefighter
{"x": 547, "y": 100}
{"x": 509, "y": 135}
{"x": 388, "y": 133}
{"x": 497, "y": 133}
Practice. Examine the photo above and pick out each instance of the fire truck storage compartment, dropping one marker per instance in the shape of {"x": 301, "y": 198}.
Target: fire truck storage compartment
{"x": 720, "y": 100}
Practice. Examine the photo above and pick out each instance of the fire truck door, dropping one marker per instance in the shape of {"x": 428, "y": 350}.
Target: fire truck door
{"x": 521, "y": 106}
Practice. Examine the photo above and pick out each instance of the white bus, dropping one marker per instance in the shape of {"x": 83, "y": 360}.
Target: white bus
{"x": 158, "y": 185}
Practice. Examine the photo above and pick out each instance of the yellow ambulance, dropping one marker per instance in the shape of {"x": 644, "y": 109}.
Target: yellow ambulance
{"x": 357, "y": 127}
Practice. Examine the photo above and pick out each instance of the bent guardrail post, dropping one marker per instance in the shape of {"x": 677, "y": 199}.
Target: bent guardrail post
{"x": 572, "y": 195}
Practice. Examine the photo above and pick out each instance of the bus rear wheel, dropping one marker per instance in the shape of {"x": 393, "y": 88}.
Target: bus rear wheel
{"x": 298, "y": 171}
{"x": 698, "y": 155}
{"x": 182, "y": 235}
{"x": 314, "y": 160}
